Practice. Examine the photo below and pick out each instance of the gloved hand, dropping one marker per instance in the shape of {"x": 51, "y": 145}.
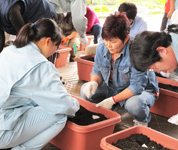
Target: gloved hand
{"x": 106, "y": 103}
{"x": 90, "y": 89}
{"x": 84, "y": 40}
{"x": 165, "y": 74}
{"x": 64, "y": 40}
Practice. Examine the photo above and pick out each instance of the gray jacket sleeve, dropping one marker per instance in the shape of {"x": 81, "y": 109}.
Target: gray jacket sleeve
{"x": 78, "y": 11}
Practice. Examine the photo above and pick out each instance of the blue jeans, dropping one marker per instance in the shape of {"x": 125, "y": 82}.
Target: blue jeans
{"x": 33, "y": 131}
{"x": 138, "y": 106}
{"x": 96, "y": 31}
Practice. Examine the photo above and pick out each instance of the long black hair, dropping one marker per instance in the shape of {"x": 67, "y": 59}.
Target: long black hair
{"x": 35, "y": 31}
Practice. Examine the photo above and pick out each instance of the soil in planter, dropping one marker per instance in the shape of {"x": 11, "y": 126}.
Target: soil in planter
{"x": 136, "y": 142}
{"x": 84, "y": 117}
{"x": 168, "y": 87}
{"x": 90, "y": 59}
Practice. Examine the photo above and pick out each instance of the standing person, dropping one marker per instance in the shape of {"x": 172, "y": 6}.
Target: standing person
{"x": 69, "y": 36}
{"x": 34, "y": 103}
{"x": 93, "y": 25}
{"x": 165, "y": 18}
{"x": 137, "y": 23}
{"x": 16, "y": 13}
{"x": 78, "y": 11}
{"x": 113, "y": 79}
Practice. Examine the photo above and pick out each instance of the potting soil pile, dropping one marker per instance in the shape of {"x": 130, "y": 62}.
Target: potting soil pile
{"x": 84, "y": 117}
{"x": 138, "y": 142}
{"x": 168, "y": 87}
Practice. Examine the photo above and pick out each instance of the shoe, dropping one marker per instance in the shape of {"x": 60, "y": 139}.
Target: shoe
{"x": 139, "y": 123}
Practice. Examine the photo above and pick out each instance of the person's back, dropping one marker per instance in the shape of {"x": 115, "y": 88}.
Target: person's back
{"x": 33, "y": 97}
{"x": 14, "y": 14}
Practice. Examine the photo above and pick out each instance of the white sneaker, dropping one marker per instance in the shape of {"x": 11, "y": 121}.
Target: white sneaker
{"x": 173, "y": 119}
{"x": 139, "y": 123}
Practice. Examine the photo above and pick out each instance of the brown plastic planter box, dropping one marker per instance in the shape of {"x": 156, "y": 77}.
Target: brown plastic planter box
{"x": 159, "y": 138}
{"x": 167, "y": 103}
{"x": 63, "y": 55}
{"x": 84, "y": 67}
{"x": 75, "y": 137}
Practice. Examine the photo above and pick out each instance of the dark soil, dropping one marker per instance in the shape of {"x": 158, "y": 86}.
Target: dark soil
{"x": 135, "y": 142}
{"x": 90, "y": 59}
{"x": 168, "y": 87}
{"x": 84, "y": 117}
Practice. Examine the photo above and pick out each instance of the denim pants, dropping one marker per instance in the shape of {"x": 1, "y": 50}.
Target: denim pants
{"x": 34, "y": 129}
{"x": 138, "y": 106}
{"x": 96, "y": 31}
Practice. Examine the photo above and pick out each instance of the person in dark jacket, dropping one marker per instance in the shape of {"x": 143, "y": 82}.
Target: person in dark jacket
{"x": 16, "y": 13}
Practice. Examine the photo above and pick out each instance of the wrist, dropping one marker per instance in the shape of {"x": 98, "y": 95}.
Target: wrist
{"x": 114, "y": 99}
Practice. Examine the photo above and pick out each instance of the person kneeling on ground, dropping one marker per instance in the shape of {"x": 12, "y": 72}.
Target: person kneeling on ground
{"x": 34, "y": 103}
{"x": 157, "y": 51}
{"x": 114, "y": 80}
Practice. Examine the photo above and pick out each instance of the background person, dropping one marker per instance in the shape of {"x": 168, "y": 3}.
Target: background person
{"x": 137, "y": 23}
{"x": 69, "y": 36}
{"x": 14, "y": 14}
{"x": 78, "y": 11}
{"x": 34, "y": 103}
{"x": 113, "y": 79}
{"x": 93, "y": 24}
{"x": 165, "y": 18}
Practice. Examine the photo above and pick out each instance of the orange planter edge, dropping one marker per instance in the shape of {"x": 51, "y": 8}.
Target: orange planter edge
{"x": 167, "y": 103}
{"x": 84, "y": 67}
{"x": 61, "y": 61}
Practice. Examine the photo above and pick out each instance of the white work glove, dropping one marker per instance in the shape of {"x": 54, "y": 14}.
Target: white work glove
{"x": 84, "y": 40}
{"x": 173, "y": 119}
{"x": 165, "y": 74}
{"x": 106, "y": 103}
{"x": 90, "y": 89}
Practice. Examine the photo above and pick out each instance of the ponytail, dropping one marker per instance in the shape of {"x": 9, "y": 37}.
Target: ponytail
{"x": 35, "y": 31}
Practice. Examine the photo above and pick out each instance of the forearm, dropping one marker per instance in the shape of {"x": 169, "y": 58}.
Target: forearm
{"x": 72, "y": 35}
{"x": 172, "y": 8}
{"x": 172, "y": 5}
{"x": 125, "y": 94}
{"x": 96, "y": 78}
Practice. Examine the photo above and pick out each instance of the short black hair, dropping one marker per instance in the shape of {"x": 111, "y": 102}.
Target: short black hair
{"x": 116, "y": 26}
{"x": 143, "y": 47}
{"x": 129, "y": 8}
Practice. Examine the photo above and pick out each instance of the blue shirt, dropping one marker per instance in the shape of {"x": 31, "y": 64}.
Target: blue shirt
{"x": 28, "y": 80}
{"x": 137, "y": 26}
{"x": 124, "y": 75}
